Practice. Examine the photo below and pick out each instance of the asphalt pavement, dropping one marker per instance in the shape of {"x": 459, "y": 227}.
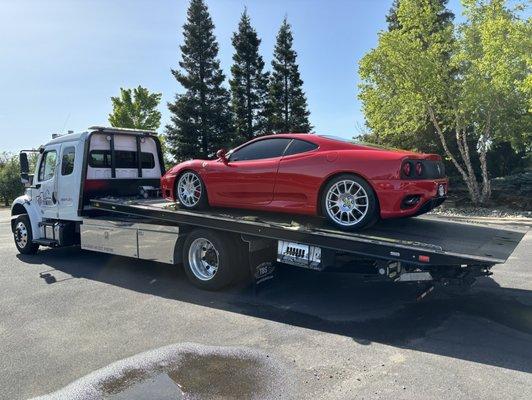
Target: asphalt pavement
{"x": 65, "y": 313}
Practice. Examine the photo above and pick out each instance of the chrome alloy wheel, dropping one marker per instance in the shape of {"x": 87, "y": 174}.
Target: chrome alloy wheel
{"x": 189, "y": 189}
{"x": 347, "y": 202}
{"x": 203, "y": 259}
{"x": 21, "y": 235}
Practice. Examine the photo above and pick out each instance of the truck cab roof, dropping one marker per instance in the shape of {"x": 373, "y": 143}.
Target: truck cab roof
{"x": 69, "y": 137}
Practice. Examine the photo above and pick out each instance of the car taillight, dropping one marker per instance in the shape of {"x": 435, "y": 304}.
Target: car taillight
{"x": 419, "y": 169}
{"x": 407, "y": 168}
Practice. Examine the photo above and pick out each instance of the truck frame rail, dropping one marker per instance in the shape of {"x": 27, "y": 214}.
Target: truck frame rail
{"x": 417, "y": 241}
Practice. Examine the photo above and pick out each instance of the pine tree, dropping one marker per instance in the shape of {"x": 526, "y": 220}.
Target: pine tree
{"x": 249, "y": 84}
{"x": 444, "y": 15}
{"x": 287, "y": 105}
{"x": 201, "y": 119}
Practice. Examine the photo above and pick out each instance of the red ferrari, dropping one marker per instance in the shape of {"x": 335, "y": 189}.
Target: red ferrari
{"x": 350, "y": 184}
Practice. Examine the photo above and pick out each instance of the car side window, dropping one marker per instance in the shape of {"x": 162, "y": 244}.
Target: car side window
{"x": 47, "y": 165}
{"x": 299, "y": 146}
{"x": 67, "y": 161}
{"x": 261, "y": 149}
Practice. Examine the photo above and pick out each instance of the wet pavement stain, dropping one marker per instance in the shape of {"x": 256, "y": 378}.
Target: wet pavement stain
{"x": 184, "y": 371}
{"x": 217, "y": 377}
{"x": 197, "y": 376}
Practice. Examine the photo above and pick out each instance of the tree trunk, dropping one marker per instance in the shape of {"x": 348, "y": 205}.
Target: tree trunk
{"x": 486, "y": 184}
{"x": 469, "y": 179}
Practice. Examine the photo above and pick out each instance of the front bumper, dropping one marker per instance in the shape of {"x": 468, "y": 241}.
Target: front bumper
{"x": 167, "y": 186}
{"x": 391, "y": 195}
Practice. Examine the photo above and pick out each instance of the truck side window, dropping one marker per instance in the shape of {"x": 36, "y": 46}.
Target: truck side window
{"x": 67, "y": 163}
{"x": 47, "y": 166}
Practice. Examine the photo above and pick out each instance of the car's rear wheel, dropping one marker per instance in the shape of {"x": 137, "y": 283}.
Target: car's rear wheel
{"x": 349, "y": 202}
{"x": 23, "y": 235}
{"x": 190, "y": 191}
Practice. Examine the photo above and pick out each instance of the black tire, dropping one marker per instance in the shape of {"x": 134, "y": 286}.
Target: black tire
{"x": 202, "y": 203}
{"x": 23, "y": 235}
{"x": 227, "y": 259}
{"x": 372, "y": 213}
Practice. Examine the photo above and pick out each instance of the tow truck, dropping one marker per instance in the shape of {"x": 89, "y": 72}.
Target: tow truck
{"x": 99, "y": 189}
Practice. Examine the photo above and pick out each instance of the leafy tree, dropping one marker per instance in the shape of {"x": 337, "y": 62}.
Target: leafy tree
{"x": 136, "y": 108}
{"x": 10, "y": 185}
{"x": 472, "y": 83}
{"x": 201, "y": 119}
{"x": 287, "y": 104}
{"x": 421, "y": 139}
{"x": 249, "y": 84}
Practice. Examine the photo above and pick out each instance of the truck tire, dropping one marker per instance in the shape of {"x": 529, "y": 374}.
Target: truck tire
{"x": 23, "y": 235}
{"x": 210, "y": 259}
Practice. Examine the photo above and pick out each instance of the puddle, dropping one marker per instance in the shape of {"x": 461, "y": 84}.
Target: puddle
{"x": 183, "y": 372}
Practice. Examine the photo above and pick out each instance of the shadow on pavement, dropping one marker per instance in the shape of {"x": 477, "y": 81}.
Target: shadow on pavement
{"x": 491, "y": 325}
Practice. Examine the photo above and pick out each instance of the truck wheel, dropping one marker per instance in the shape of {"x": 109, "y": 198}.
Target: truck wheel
{"x": 191, "y": 192}
{"x": 210, "y": 259}
{"x": 23, "y": 235}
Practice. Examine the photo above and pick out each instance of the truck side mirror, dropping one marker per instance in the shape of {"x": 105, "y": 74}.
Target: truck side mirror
{"x": 24, "y": 169}
{"x": 221, "y": 154}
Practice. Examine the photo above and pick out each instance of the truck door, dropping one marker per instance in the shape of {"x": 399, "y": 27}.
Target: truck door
{"x": 68, "y": 182}
{"x": 46, "y": 183}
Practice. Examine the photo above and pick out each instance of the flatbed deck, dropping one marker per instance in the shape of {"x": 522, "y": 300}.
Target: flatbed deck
{"x": 409, "y": 240}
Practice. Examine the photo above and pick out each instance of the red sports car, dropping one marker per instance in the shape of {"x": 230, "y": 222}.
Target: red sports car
{"x": 350, "y": 184}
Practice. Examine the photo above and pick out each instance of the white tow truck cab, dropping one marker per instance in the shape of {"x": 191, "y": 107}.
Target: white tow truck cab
{"x": 70, "y": 170}
{"x": 93, "y": 188}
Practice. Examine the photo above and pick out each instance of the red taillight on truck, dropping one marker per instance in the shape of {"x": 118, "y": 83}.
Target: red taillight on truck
{"x": 407, "y": 168}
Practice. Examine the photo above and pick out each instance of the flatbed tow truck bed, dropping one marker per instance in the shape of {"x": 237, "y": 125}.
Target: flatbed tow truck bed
{"x": 412, "y": 246}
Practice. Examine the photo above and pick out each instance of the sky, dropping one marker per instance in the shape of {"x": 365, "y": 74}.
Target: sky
{"x": 62, "y": 60}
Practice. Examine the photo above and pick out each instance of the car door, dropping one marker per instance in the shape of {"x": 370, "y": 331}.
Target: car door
{"x": 299, "y": 175}
{"x": 46, "y": 183}
{"x": 248, "y": 176}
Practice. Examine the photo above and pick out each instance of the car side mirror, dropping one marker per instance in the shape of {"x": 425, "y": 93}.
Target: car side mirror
{"x": 222, "y": 155}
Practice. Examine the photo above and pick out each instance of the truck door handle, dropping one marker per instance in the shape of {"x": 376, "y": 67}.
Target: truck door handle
{"x": 54, "y": 200}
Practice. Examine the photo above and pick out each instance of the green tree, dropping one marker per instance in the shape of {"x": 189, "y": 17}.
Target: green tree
{"x": 200, "y": 117}
{"x": 249, "y": 84}
{"x": 472, "y": 83}
{"x": 287, "y": 104}
{"x": 10, "y": 185}
{"x": 136, "y": 108}
{"x": 421, "y": 139}
{"x": 445, "y": 16}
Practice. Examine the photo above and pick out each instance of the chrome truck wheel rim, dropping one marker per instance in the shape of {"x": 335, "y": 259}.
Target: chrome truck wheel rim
{"x": 189, "y": 189}
{"x": 203, "y": 259}
{"x": 21, "y": 235}
{"x": 347, "y": 202}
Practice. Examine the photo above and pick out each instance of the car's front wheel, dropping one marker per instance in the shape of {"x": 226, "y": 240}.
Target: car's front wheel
{"x": 190, "y": 191}
{"x": 349, "y": 202}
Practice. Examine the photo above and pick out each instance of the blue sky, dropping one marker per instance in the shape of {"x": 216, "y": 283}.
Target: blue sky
{"x": 62, "y": 60}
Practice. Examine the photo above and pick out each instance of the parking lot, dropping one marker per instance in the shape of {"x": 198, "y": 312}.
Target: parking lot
{"x": 65, "y": 313}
